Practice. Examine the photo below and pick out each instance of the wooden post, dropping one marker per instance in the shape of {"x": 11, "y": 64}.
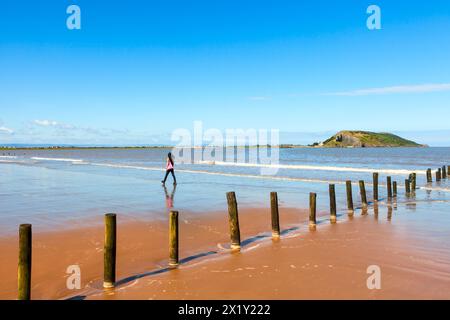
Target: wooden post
{"x": 312, "y": 211}
{"x": 438, "y": 175}
{"x": 407, "y": 187}
{"x": 413, "y": 182}
{"x": 444, "y": 172}
{"x": 362, "y": 191}
{"x": 389, "y": 188}
{"x": 109, "y": 263}
{"x": 375, "y": 186}
{"x": 173, "y": 239}
{"x": 394, "y": 187}
{"x": 24, "y": 267}
{"x": 233, "y": 217}
{"x": 429, "y": 176}
{"x": 348, "y": 185}
{"x": 275, "y": 215}
{"x": 332, "y": 192}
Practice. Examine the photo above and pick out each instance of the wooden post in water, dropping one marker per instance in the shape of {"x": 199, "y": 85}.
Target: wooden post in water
{"x": 24, "y": 267}
{"x": 413, "y": 182}
{"x": 348, "y": 185}
{"x": 444, "y": 172}
{"x": 394, "y": 187}
{"x": 429, "y": 176}
{"x": 407, "y": 187}
{"x": 332, "y": 192}
{"x": 275, "y": 215}
{"x": 173, "y": 239}
{"x": 233, "y": 217}
{"x": 389, "y": 188}
{"x": 438, "y": 175}
{"x": 375, "y": 186}
{"x": 362, "y": 191}
{"x": 312, "y": 211}
{"x": 109, "y": 263}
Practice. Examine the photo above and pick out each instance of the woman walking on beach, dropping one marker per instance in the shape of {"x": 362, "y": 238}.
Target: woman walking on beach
{"x": 169, "y": 169}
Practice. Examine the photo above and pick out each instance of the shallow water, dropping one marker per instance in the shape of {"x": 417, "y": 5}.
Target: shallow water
{"x": 51, "y": 188}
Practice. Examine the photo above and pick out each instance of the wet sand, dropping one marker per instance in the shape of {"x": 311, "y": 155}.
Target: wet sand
{"x": 142, "y": 246}
{"x": 329, "y": 263}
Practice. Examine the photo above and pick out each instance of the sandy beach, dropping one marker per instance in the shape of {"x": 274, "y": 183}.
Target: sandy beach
{"x": 329, "y": 263}
{"x": 142, "y": 247}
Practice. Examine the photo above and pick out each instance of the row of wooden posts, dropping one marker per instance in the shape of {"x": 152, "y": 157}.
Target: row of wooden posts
{"x": 441, "y": 173}
{"x": 109, "y": 272}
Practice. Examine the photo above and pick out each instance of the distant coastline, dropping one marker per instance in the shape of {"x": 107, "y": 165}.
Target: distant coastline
{"x": 342, "y": 139}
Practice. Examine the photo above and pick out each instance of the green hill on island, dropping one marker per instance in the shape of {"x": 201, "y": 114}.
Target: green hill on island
{"x": 365, "y": 139}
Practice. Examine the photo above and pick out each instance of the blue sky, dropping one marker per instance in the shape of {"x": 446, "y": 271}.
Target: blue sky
{"x": 137, "y": 70}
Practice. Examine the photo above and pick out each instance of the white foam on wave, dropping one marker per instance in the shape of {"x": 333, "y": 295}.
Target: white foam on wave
{"x": 57, "y": 159}
{"x": 8, "y": 157}
{"x": 311, "y": 167}
{"x": 223, "y": 174}
{"x": 251, "y": 176}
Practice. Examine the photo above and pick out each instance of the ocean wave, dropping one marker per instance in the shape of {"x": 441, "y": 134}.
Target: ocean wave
{"x": 236, "y": 175}
{"x": 57, "y": 159}
{"x": 224, "y": 174}
{"x": 8, "y": 157}
{"x": 311, "y": 167}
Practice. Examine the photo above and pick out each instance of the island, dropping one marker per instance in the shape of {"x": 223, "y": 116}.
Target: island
{"x": 366, "y": 139}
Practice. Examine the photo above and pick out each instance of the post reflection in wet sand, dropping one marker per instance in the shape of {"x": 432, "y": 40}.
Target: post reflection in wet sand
{"x": 375, "y": 210}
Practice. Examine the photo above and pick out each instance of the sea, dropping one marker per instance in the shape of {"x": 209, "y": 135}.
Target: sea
{"x": 52, "y": 188}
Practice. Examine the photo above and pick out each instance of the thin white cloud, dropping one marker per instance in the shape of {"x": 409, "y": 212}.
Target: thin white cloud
{"x": 421, "y": 88}
{"x": 5, "y": 130}
{"x": 51, "y": 123}
{"x": 65, "y": 129}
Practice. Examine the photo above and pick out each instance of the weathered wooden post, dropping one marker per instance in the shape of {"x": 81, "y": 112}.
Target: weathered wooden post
{"x": 413, "y": 182}
{"x": 173, "y": 239}
{"x": 438, "y": 175}
{"x": 375, "y": 186}
{"x": 109, "y": 263}
{"x": 332, "y": 193}
{"x": 394, "y": 188}
{"x": 429, "y": 176}
{"x": 389, "y": 188}
{"x": 233, "y": 217}
{"x": 348, "y": 185}
{"x": 24, "y": 267}
{"x": 362, "y": 191}
{"x": 275, "y": 215}
{"x": 407, "y": 187}
{"x": 312, "y": 211}
{"x": 444, "y": 172}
